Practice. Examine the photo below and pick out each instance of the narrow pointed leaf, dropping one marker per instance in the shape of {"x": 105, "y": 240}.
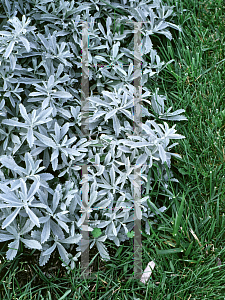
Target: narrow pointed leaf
{"x": 10, "y": 218}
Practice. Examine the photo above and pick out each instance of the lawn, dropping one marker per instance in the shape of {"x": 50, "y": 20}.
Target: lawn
{"x": 187, "y": 242}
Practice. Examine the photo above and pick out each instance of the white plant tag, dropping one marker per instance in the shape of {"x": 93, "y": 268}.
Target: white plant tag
{"x": 147, "y": 272}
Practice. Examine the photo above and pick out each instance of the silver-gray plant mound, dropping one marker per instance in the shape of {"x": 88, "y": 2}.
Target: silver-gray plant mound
{"x": 42, "y": 148}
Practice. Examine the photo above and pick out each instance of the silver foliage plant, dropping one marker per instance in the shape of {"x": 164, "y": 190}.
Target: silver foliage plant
{"x": 42, "y": 148}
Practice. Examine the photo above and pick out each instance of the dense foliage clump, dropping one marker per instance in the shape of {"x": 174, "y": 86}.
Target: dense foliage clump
{"x": 42, "y": 147}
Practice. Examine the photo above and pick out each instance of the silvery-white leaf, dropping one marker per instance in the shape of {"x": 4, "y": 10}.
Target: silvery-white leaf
{"x": 104, "y": 203}
{"x": 32, "y": 216}
{"x": 107, "y": 74}
{"x": 57, "y": 131}
{"x": 56, "y": 229}
{"x": 103, "y": 224}
{"x": 49, "y": 250}
{"x": 112, "y": 175}
{"x": 63, "y": 253}
{"x": 113, "y": 229}
{"x": 63, "y": 225}
{"x": 59, "y": 70}
{"x": 166, "y": 33}
{"x": 109, "y": 95}
{"x": 157, "y": 104}
{"x": 75, "y": 111}
{"x": 32, "y": 244}
{"x": 11, "y": 203}
{"x": 102, "y": 238}
{"x": 14, "y": 123}
{"x": 9, "y": 49}
{"x": 73, "y": 239}
{"x": 162, "y": 153}
{"x": 61, "y": 94}
{"x": 6, "y": 237}
{"x": 98, "y": 101}
{"x": 45, "y": 103}
{"x": 161, "y": 25}
{"x": 110, "y": 114}
{"x": 64, "y": 130}
{"x": 25, "y": 43}
{"x": 99, "y": 57}
{"x": 162, "y": 209}
{"x": 102, "y": 29}
{"x": 102, "y": 250}
{"x": 45, "y": 140}
{"x": 72, "y": 151}
{"x": 81, "y": 220}
{"x": 45, "y": 232}
{"x": 115, "y": 49}
{"x": 10, "y": 218}
{"x": 97, "y": 159}
{"x": 55, "y": 154}
{"x": 51, "y": 81}
{"x": 30, "y": 137}
{"x": 107, "y": 158}
{"x": 36, "y": 94}
{"x": 13, "y": 248}
{"x": 43, "y": 259}
{"x": 6, "y": 33}
{"x": 177, "y": 27}
{"x": 176, "y": 155}
{"x": 9, "y": 162}
{"x": 55, "y": 164}
{"x": 174, "y": 115}
{"x": 27, "y": 227}
{"x": 24, "y": 113}
{"x": 116, "y": 125}
{"x": 118, "y": 68}
{"x": 23, "y": 187}
{"x": 157, "y": 128}
{"x": 148, "y": 130}
{"x": 33, "y": 189}
{"x": 142, "y": 159}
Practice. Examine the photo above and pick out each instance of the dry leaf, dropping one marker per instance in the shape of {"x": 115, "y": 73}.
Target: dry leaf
{"x": 219, "y": 263}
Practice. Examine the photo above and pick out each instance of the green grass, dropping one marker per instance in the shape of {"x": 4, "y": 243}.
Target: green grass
{"x": 194, "y": 221}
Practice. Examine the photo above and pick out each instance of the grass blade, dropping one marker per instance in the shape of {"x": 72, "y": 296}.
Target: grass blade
{"x": 179, "y": 216}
